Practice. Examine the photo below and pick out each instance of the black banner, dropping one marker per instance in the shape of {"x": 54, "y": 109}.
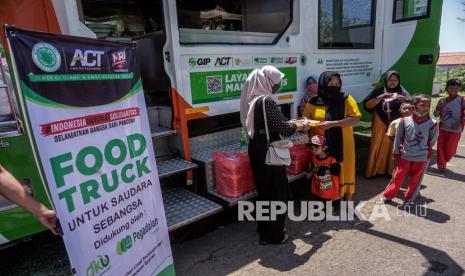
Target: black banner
{"x": 65, "y": 66}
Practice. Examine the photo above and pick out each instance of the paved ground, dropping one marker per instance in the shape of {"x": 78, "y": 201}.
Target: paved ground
{"x": 408, "y": 244}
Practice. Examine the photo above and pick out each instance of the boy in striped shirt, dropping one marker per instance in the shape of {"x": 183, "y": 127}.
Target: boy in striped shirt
{"x": 450, "y": 111}
{"x": 413, "y": 145}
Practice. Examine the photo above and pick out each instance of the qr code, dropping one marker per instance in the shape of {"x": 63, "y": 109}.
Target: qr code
{"x": 214, "y": 85}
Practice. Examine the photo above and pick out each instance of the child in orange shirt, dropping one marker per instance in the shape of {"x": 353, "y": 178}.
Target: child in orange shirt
{"x": 324, "y": 170}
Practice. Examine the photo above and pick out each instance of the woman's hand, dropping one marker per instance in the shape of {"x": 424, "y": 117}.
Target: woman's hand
{"x": 384, "y": 96}
{"x": 326, "y": 125}
{"x": 302, "y": 127}
{"x": 401, "y": 98}
{"x": 299, "y": 125}
{"x": 306, "y": 127}
{"x": 347, "y": 121}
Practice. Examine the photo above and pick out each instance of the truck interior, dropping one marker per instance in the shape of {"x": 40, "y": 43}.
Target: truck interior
{"x": 232, "y": 21}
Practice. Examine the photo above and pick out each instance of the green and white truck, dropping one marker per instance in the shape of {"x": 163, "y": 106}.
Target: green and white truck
{"x": 194, "y": 57}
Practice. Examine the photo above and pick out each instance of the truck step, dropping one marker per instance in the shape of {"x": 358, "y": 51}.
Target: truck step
{"x": 174, "y": 166}
{"x": 159, "y": 131}
{"x": 8, "y": 128}
{"x": 231, "y": 201}
{"x": 8, "y": 123}
{"x": 205, "y": 157}
{"x": 183, "y": 207}
{"x": 160, "y": 116}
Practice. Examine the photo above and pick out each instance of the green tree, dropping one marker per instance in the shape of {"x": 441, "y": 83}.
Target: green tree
{"x": 326, "y": 28}
{"x": 456, "y": 73}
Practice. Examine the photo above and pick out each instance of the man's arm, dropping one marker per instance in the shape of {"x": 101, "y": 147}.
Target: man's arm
{"x": 12, "y": 190}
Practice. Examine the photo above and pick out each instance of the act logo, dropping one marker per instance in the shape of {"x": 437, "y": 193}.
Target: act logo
{"x": 98, "y": 265}
{"x": 118, "y": 60}
{"x": 46, "y": 57}
{"x": 87, "y": 58}
{"x": 123, "y": 245}
{"x": 223, "y": 61}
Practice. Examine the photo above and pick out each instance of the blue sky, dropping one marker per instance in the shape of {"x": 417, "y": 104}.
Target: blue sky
{"x": 452, "y": 38}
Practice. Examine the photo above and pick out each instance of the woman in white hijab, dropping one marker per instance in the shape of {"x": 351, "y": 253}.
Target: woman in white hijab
{"x": 271, "y": 181}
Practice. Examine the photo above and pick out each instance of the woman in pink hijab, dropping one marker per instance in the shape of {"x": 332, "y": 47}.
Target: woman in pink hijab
{"x": 312, "y": 91}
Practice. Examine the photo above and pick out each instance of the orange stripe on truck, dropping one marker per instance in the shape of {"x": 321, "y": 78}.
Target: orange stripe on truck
{"x": 285, "y": 97}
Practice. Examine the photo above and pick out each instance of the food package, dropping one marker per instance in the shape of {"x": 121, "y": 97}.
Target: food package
{"x": 300, "y": 158}
{"x": 233, "y": 174}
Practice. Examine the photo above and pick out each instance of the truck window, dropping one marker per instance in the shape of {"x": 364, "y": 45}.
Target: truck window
{"x": 233, "y": 21}
{"x": 406, "y": 10}
{"x": 121, "y": 20}
{"x": 10, "y": 125}
{"x": 347, "y": 24}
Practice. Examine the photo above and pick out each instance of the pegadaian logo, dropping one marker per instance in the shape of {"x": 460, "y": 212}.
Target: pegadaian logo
{"x": 97, "y": 265}
{"x": 46, "y": 57}
{"x": 123, "y": 245}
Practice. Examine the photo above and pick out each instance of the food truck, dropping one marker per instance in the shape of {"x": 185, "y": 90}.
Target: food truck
{"x": 194, "y": 57}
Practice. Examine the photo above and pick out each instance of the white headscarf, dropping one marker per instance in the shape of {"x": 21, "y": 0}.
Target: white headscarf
{"x": 259, "y": 84}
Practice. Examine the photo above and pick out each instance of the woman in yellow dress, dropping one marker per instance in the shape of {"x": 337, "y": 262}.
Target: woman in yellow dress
{"x": 384, "y": 103}
{"x": 337, "y": 113}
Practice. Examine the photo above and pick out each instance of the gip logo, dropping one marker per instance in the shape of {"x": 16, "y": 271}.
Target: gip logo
{"x": 46, "y": 57}
{"x": 123, "y": 245}
{"x": 192, "y": 62}
{"x": 98, "y": 265}
{"x": 202, "y": 62}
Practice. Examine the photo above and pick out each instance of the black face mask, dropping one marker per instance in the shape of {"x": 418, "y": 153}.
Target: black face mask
{"x": 333, "y": 90}
{"x": 388, "y": 89}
